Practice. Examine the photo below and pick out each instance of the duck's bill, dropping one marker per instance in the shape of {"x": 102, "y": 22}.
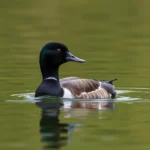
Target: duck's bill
{"x": 71, "y": 57}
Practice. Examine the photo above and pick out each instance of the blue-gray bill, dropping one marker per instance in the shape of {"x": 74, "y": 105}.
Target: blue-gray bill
{"x": 71, "y": 57}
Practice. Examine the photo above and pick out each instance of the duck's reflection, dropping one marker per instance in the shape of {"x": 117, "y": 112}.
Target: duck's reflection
{"x": 81, "y": 108}
{"x": 55, "y": 134}
{"x": 51, "y": 130}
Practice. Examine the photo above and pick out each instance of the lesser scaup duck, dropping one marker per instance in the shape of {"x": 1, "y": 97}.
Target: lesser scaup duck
{"x": 52, "y": 56}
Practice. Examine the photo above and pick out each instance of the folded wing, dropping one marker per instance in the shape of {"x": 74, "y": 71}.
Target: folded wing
{"x": 88, "y": 88}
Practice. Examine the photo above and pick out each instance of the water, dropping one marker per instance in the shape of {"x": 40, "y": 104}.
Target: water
{"x": 112, "y": 36}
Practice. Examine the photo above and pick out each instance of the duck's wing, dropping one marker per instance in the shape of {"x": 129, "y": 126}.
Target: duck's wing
{"x": 64, "y": 80}
{"x": 88, "y": 88}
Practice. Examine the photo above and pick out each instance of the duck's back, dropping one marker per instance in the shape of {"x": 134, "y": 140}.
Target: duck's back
{"x": 88, "y": 88}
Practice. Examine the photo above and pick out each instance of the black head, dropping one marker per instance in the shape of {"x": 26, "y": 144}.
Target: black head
{"x": 54, "y": 54}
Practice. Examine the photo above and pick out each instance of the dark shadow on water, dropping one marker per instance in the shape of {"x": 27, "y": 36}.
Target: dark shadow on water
{"x": 55, "y": 134}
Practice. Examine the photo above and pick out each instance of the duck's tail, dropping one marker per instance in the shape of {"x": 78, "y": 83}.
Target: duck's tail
{"x": 108, "y": 85}
{"x": 108, "y": 81}
{"x": 111, "y": 81}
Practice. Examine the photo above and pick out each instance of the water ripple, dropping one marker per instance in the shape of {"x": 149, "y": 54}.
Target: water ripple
{"x": 123, "y": 95}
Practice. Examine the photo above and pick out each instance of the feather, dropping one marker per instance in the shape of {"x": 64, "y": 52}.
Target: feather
{"x": 89, "y": 88}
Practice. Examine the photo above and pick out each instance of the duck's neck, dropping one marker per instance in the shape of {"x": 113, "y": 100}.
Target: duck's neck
{"x": 50, "y": 72}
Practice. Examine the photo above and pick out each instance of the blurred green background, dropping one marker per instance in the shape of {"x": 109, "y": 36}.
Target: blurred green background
{"x": 113, "y": 36}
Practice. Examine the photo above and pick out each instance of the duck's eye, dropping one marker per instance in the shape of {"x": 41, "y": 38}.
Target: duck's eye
{"x": 59, "y": 50}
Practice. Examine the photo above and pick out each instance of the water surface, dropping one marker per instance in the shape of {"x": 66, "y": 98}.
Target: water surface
{"x": 112, "y": 36}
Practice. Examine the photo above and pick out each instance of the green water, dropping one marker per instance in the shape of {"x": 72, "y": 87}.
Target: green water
{"x": 112, "y": 36}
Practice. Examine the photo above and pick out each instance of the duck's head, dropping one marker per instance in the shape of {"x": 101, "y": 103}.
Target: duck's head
{"x": 54, "y": 54}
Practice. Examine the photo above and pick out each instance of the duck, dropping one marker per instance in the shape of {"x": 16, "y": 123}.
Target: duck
{"x": 52, "y": 56}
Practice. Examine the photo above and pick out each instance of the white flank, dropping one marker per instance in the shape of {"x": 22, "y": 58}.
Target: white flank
{"x": 67, "y": 93}
{"x": 99, "y": 85}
